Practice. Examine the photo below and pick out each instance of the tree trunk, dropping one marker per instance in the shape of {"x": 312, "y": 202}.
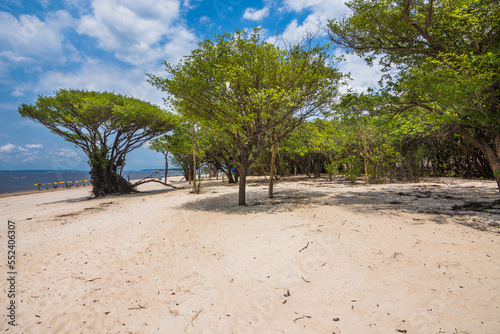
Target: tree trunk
{"x": 107, "y": 182}
{"x": 271, "y": 170}
{"x": 230, "y": 178}
{"x": 242, "y": 185}
{"x": 185, "y": 171}
{"x": 496, "y": 172}
{"x": 166, "y": 167}
{"x": 491, "y": 152}
{"x": 317, "y": 169}
{"x": 194, "y": 160}
{"x": 366, "y": 170}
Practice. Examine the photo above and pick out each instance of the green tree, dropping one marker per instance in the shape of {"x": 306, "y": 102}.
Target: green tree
{"x": 216, "y": 151}
{"x": 161, "y": 145}
{"x": 179, "y": 144}
{"x": 247, "y": 90}
{"x": 303, "y": 150}
{"x": 106, "y": 126}
{"x": 442, "y": 56}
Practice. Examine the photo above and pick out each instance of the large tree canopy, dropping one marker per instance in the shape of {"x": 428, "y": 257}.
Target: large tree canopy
{"x": 106, "y": 126}
{"x": 439, "y": 55}
{"x": 249, "y": 91}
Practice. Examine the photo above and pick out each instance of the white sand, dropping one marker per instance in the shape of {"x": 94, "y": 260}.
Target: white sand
{"x": 321, "y": 257}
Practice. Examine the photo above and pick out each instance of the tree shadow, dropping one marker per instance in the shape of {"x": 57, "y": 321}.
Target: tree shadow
{"x": 474, "y": 207}
{"x": 284, "y": 200}
{"x": 440, "y": 202}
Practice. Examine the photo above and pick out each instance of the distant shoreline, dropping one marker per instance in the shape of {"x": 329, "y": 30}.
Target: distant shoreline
{"x": 79, "y": 171}
{"x": 173, "y": 178}
{"x": 30, "y": 180}
{"x": 36, "y": 191}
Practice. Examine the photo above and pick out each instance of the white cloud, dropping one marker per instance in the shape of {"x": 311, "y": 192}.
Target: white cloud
{"x": 256, "y": 15}
{"x": 323, "y": 8}
{"x": 295, "y": 32}
{"x": 12, "y": 149}
{"x": 52, "y": 158}
{"x": 17, "y": 93}
{"x": 30, "y": 40}
{"x": 57, "y": 159}
{"x": 187, "y": 4}
{"x": 30, "y": 158}
{"x": 363, "y": 76}
{"x": 137, "y": 31}
{"x": 204, "y": 20}
{"x": 67, "y": 153}
{"x": 29, "y": 146}
{"x": 321, "y": 12}
{"x": 9, "y": 148}
{"x": 96, "y": 75}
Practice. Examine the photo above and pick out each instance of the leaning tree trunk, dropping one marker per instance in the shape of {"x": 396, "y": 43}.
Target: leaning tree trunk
{"x": 229, "y": 174}
{"x": 491, "y": 150}
{"x": 105, "y": 181}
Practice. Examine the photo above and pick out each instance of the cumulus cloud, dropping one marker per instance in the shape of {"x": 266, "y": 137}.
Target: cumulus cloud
{"x": 256, "y": 15}
{"x": 95, "y": 74}
{"x": 36, "y": 154}
{"x": 320, "y": 12}
{"x": 296, "y": 32}
{"x": 31, "y": 40}
{"x": 9, "y": 148}
{"x": 362, "y": 75}
{"x": 323, "y": 8}
{"x": 137, "y": 32}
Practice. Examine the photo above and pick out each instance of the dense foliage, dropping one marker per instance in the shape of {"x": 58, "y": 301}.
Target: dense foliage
{"x": 441, "y": 56}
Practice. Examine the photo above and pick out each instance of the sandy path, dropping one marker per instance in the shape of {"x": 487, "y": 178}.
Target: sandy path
{"x": 319, "y": 258}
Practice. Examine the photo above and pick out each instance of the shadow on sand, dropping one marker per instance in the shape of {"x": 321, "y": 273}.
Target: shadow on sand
{"x": 477, "y": 206}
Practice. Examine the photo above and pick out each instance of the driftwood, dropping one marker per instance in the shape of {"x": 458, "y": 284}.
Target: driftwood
{"x": 157, "y": 181}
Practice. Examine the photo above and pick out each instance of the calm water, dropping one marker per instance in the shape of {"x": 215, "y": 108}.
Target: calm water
{"x": 11, "y": 181}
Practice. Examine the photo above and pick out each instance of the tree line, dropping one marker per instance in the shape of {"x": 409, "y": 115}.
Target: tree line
{"x": 243, "y": 105}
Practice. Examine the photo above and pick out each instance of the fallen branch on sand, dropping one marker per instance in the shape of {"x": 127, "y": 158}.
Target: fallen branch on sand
{"x": 196, "y": 316}
{"x": 137, "y": 308}
{"x": 157, "y": 181}
{"x": 304, "y": 247}
{"x": 302, "y": 317}
{"x": 93, "y": 279}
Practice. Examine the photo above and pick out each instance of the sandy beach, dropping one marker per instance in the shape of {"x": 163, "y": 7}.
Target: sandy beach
{"x": 320, "y": 257}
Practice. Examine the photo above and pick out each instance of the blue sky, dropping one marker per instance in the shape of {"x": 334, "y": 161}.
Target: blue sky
{"x": 108, "y": 45}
